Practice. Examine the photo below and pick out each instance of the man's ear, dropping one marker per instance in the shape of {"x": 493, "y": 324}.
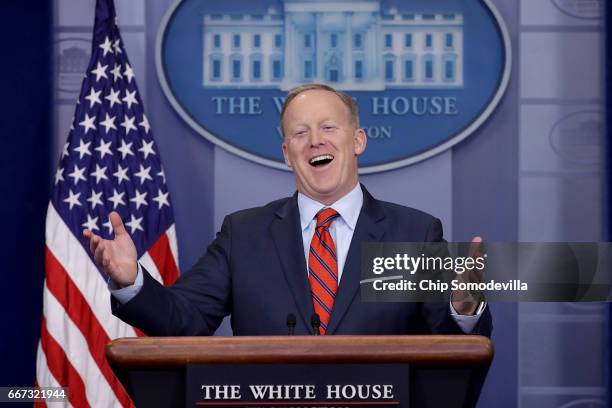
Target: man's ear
{"x": 361, "y": 140}
{"x": 286, "y": 153}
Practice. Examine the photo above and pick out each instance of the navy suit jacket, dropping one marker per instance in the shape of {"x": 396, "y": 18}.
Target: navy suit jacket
{"x": 255, "y": 271}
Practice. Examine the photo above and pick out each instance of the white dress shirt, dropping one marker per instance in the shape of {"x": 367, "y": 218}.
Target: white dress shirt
{"x": 341, "y": 229}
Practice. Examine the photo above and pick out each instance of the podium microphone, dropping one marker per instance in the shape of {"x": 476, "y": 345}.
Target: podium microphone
{"x": 315, "y": 322}
{"x": 291, "y": 321}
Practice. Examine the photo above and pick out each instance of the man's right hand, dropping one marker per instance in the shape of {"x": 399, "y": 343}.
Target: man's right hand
{"x": 118, "y": 257}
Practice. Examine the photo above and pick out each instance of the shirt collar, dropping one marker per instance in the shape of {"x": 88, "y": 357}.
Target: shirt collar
{"x": 348, "y": 207}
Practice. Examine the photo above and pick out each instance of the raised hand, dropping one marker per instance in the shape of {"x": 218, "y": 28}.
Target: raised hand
{"x": 117, "y": 257}
{"x": 466, "y": 302}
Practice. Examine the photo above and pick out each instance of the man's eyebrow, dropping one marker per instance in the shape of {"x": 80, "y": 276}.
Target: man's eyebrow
{"x": 329, "y": 122}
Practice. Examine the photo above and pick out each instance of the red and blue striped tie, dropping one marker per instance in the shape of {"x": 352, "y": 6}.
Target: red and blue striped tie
{"x": 323, "y": 267}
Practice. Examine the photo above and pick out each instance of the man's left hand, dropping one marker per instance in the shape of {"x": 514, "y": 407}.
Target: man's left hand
{"x": 466, "y": 302}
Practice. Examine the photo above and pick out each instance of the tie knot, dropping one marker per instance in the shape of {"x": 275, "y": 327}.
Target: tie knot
{"x": 326, "y": 216}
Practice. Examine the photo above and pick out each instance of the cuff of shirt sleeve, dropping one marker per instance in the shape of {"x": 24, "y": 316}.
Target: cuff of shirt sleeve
{"x": 124, "y": 295}
{"x": 466, "y": 322}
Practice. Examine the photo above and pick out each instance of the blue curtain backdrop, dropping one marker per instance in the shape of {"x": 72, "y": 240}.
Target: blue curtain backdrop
{"x": 26, "y": 108}
{"x": 608, "y": 145}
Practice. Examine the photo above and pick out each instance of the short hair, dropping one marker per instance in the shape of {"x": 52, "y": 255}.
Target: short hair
{"x": 348, "y": 101}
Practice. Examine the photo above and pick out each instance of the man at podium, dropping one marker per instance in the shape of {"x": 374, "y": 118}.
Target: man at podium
{"x": 297, "y": 256}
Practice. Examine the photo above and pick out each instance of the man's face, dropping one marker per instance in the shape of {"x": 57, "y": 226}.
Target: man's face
{"x": 322, "y": 145}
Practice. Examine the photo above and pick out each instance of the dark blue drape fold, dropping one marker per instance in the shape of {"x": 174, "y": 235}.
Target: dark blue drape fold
{"x": 26, "y": 101}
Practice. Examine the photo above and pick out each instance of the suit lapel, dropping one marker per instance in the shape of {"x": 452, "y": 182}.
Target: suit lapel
{"x": 287, "y": 237}
{"x": 369, "y": 228}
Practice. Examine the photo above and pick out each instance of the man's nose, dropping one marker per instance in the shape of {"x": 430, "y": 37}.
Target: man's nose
{"x": 316, "y": 138}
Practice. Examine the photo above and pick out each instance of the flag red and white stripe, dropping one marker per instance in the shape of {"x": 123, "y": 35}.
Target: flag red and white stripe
{"x": 77, "y": 320}
{"x": 110, "y": 163}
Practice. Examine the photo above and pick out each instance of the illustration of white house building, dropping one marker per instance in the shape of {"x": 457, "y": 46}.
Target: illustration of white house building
{"x": 349, "y": 44}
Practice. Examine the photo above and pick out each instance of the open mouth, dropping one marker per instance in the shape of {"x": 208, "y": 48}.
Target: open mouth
{"x": 321, "y": 160}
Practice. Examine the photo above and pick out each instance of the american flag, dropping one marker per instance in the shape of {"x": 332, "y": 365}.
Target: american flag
{"x": 110, "y": 162}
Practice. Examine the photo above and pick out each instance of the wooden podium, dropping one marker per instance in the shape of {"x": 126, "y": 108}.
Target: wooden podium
{"x": 445, "y": 371}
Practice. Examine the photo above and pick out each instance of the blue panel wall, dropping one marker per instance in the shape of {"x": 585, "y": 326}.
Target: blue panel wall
{"x": 485, "y": 188}
{"x": 188, "y": 158}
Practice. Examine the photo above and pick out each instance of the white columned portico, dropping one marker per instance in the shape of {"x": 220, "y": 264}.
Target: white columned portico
{"x": 348, "y": 48}
{"x": 319, "y": 74}
{"x": 376, "y": 42}
{"x": 288, "y": 64}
